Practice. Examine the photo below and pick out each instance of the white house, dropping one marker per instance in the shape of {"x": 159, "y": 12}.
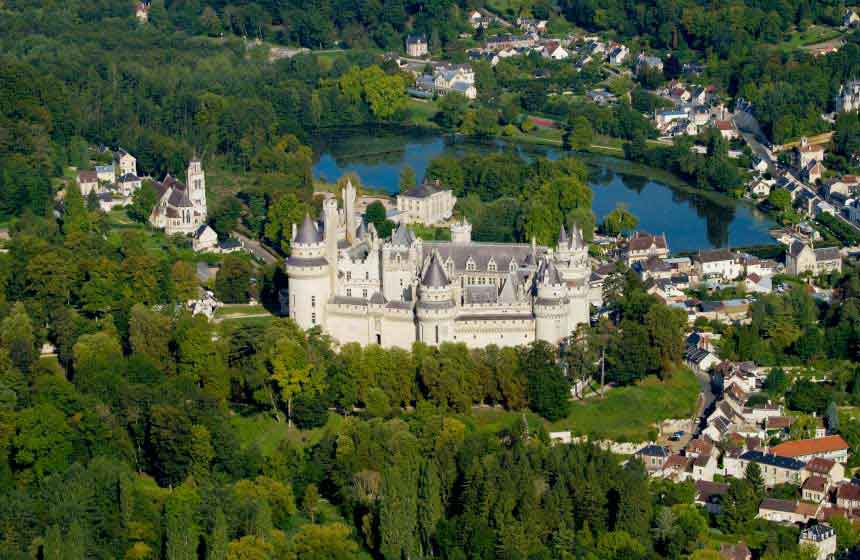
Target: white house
{"x": 555, "y": 51}
{"x": 204, "y": 239}
{"x": 416, "y": 45}
{"x": 718, "y": 263}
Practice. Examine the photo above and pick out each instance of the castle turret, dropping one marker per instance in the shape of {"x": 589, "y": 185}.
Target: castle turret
{"x": 436, "y": 308}
{"x": 551, "y": 304}
{"x": 348, "y": 194}
{"x": 309, "y": 272}
{"x": 461, "y": 232}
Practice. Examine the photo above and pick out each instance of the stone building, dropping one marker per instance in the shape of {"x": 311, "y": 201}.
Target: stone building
{"x": 181, "y": 207}
{"x": 427, "y": 204}
{"x": 416, "y": 45}
{"x": 803, "y": 258}
{"x": 361, "y": 288}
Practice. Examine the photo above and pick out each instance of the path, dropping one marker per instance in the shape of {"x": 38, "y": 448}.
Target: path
{"x": 228, "y": 316}
{"x": 256, "y": 248}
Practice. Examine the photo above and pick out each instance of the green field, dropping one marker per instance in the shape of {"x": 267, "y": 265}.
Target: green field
{"x": 813, "y": 34}
{"x": 630, "y": 413}
{"x": 421, "y": 112}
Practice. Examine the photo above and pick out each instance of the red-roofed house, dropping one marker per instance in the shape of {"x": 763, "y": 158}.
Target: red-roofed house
{"x": 828, "y": 447}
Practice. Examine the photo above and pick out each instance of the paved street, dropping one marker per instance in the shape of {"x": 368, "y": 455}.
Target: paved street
{"x": 256, "y": 249}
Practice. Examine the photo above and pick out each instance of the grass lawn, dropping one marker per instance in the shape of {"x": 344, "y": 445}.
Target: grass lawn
{"x": 232, "y": 308}
{"x": 249, "y": 321}
{"x": 630, "y": 413}
{"x": 263, "y": 431}
{"x": 813, "y": 34}
{"x": 421, "y": 111}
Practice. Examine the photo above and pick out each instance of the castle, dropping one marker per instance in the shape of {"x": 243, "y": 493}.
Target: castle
{"x": 181, "y": 208}
{"x": 361, "y": 288}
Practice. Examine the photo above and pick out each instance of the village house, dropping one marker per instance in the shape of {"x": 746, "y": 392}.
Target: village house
{"x": 141, "y": 12}
{"x": 555, "y": 51}
{"x": 828, "y": 447}
{"x": 848, "y": 99}
{"x": 458, "y": 78}
{"x": 786, "y": 511}
{"x": 807, "y": 153}
{"x": 710, "y": 495}
{"x": 643, "y": 245}
{"x": 827, "y": 468}
{"x": 88, "y": 181}
{"x": 727, "y": 129}
{"x": 617, "y": 54}
{"x": 850, "y": 19}
{"x": 802, "y": 258}
{"x": 645, "y": 62}
{"x": 204, "y": 239}
{"x": 775, "y": 469}
{"x": 128, "y": 184}
{"x": 815, "y": 489}
{"x": 106, "y": 173}
{"x": 718, "y": 263}
{"x": 125, "y": 163}
{"x": 653, "y": 457}
{"x": 416, "y": 45}
{"x": 820, "y": 537}
{"x": 478, "y": 20}
{"x": 848, "y": 497}
{"x": 427, "y": 204}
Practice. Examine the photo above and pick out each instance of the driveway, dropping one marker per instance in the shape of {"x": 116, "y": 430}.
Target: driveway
{"x": 256, "y": 249}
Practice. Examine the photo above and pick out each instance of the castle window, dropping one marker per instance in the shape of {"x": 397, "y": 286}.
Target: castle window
{"x": 313, "y": 318}
{"x": 367, "y": 275}
{"x": 348, "y": 275}
{"x": 313, "y": 301}
{"x": 491, "y": 267}
{"x": 349, "y": 292}
{"x": 364, "y": 293}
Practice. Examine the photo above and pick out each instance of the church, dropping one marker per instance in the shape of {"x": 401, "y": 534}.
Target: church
{"x": 358, "y": 287}
{"x": 181, "y": 207}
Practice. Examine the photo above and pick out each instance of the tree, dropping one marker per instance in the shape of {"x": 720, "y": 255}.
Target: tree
{"x": 149, "y": 336}
{"x": 310, "y": 502}
{"x": 452, "y": 110}
{"x": 407, "y": 181}
{"x": 185, "y": 283}
{"x": 283, "y": 213}
{"x": 233, "y": 280}
{"x": 619, "y": 220}
{"x": 42, "y": 443}
{"x": 548, "y": 390}
{"x": 754, "y": 477}
{"x": 581, "y": 134}
{"x": 776, "y": 382}
{"x": 169, "y": 444}
{"x": 291, "y": 371}
{"x": 832, "y": 417}
{"x": 780, "y": 199}
{"x": 202, "y": 452}
{"x": 219, "y": 539}
{"x": 17, "y": 338}
{"x": 142, "y": 202}
{"x": 98, "y": 362}
{"x": 181, "y": 530}
{"x": 323, "y": 542}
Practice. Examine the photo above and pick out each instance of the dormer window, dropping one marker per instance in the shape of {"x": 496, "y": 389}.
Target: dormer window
{"x": 470, "y": 265}
{"x": 512, "y": 266}
{"x": 491, "y": 266}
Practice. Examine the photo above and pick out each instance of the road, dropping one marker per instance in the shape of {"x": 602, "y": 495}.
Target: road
{"x": 256, "y": 249}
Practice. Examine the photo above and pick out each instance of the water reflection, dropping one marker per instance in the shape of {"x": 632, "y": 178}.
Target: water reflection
{"x": 690, "y": 220}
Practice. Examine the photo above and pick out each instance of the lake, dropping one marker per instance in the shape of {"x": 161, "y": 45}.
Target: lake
{"x": 690, "y": 220}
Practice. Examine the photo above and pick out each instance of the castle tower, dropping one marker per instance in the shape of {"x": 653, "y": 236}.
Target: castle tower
{"x": 436, "y": 308}
{"x": 551, "y": 304}
{"x": 461, "y": 232}
{"x": 196, "y": 182}
{"x": 309, "y": 272}
{"x": 331, "y": 221}
{"x": 348, "y": 194}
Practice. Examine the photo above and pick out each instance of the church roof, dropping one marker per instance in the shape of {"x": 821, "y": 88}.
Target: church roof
{"x": 434, "y": 276}
{"x": 179, "y": 198}
{"x": 307, "y": 232}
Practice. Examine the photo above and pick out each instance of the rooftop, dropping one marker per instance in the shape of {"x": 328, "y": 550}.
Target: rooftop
{"x": 773, "y": 460}
{"x": 803, "y": 447}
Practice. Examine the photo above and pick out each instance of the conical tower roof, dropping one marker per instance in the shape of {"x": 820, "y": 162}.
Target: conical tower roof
{"x": 434, "y": 276}
{"x": 308, "y": 232}
{"x": 562, "y": 236}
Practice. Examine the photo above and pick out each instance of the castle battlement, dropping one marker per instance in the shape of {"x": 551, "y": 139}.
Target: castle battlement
{"x": 394, "y": 292}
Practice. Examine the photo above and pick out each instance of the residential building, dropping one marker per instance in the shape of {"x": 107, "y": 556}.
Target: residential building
{"x": 125, "y": 163}
{"x": 848, "y": 99}
{"x": 643, "y": 245}
{"x": 128, "y": 184}
{"x": 361, "y": 288}
{"x": 710, "y": 495}
{"x": 814, "y": 489}
{"x": 88, "y": 181}
{"x": 827, "y": 468}
{"x": 727, "y": 129}
{"x": 820, "y": 537}
{"x": 459, "y": 78}
{"x": 204, "y": 239}
{"x": 427, "y": 204}
{"x": 617, "y": 54}
{"x": 416, "y": 45}
{"x": 718, "y": 263}
{"x": 106, "y": 173}
{"x": 786, "y": 511}
{"x": 644, "y": 62}
{"x": 141, "y": 12}
{"x": 555, "y": 51}
{"x": 775, "y": 469}
{"x": 828, "y": 447}
{"x": 181, "y": 208}
{"x": 802, "y": 258}
{"x": 653, "y": 457}
{"x": 848, "y": 496}
{"x": 807, "y": 153}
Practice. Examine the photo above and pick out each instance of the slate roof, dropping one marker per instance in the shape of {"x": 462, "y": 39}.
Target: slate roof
{"x": 654, "y": 451}
{"x": 179, "y": 198}
{"x": 827, "y": 254}
{"x": 434, "y": 276}
{"x": 128, "y": 177}
{"x": 481, "y": 253}
{"x": 643, "y": 241}
{"x": 773, "y": 460}
{"x": 307, "y": 232}
{"x": 717, "y": 255}
{"x": 423, "y": 190}
{"x": 707, "y": 489}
